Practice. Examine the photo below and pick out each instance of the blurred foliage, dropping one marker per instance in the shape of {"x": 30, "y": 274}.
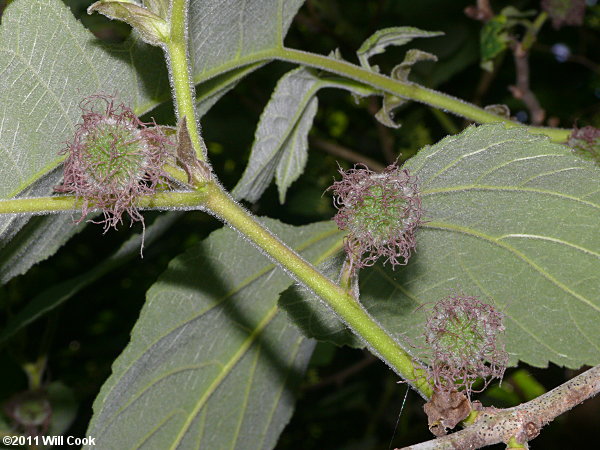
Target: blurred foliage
{"x": 349, "y": 399}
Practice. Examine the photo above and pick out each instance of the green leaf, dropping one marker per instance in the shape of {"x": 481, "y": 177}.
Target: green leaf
{"x": 381, "y": 39}
{"x": 401, "y": 72}
{"x": 493, "y": 40}
{"x": 313, "y": 316}
{"x": 56, "y": 295}
{"x": 49, "y": 64}
{"x": 511, "y": 218}
{"x": 212, "y": 362}
{"x": 230, "y": 35}
{"x": 37, "y": 239}
{"x": 152, "y": 28}
{"x": 281, "y": 138}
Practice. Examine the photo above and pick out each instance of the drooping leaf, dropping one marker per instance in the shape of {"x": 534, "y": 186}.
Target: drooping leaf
{"x": 401, "y": 72}
{"x": 376, "y": 44}
{"x": 56, "y": 295}
{"x": 281, "y": 138}
{"x": 381, "y": 39}
{"x": 212, "y": 362}
{"x": 512, "y": 219}
{"x": 24, "y": 241}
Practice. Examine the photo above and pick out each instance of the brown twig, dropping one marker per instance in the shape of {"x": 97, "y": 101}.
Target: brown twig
{"x": 345, "y": 153}
{"x": 521, "y": 90}
{"x": 521, "y": 423}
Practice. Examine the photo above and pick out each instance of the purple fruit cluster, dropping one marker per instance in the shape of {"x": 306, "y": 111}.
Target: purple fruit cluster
{"x": 464, "y": 336}
{"x": 113, "y": 159}
{"x": 380, "y": 211}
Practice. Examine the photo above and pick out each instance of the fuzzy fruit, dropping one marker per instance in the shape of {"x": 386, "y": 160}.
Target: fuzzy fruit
{"x": 113, "y": 159}
{"x": 381, "y": 212}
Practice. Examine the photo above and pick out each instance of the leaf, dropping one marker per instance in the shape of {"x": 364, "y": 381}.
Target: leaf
{"x": 56, "y": 295}
{"x": 24, "y": 241}
{"x": 381, "y": 39}
{"x": 511, "y": 218}
{"x": 210, "y": 92}
{"x": 376, "y": 44}
{"x": 228, "y": 35}
{"x": 313, "y": 316}
{"x": 49, "y": 63}
{"x": 281, "y": 138}
{"x": 152, "y": 28}
{"x": 212, "y": 362}
{"x": 401, "y": 72}
{"x": 493, "y": 41}
{"x": 293, "y": 159}
{"x": 39, "y": 239}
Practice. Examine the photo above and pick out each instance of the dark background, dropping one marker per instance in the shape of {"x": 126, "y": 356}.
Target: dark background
{"x": 349, "y": 400}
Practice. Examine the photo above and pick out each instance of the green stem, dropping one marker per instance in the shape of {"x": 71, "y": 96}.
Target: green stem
{"x": 179, "y": 74}
{"x": 340, "y": 301}
{"x": 162, "y": 200}
{"x": 409, "y": 91}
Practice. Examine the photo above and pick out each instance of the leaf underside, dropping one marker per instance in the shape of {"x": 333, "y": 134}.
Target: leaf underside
{"x": 49, "y": 62}
{"x": 212, "y": 362}
{"x": 511, "y": 218}
{"x": 280, "y": 145}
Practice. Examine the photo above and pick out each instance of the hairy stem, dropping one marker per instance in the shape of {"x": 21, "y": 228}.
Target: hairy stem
{"x": 219, "y": 203}
{"x": 179, "y": 74}
{"x": 45, "y": 205}
{"x": 410, "y": 91}
{"x": 343, "y": 304}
